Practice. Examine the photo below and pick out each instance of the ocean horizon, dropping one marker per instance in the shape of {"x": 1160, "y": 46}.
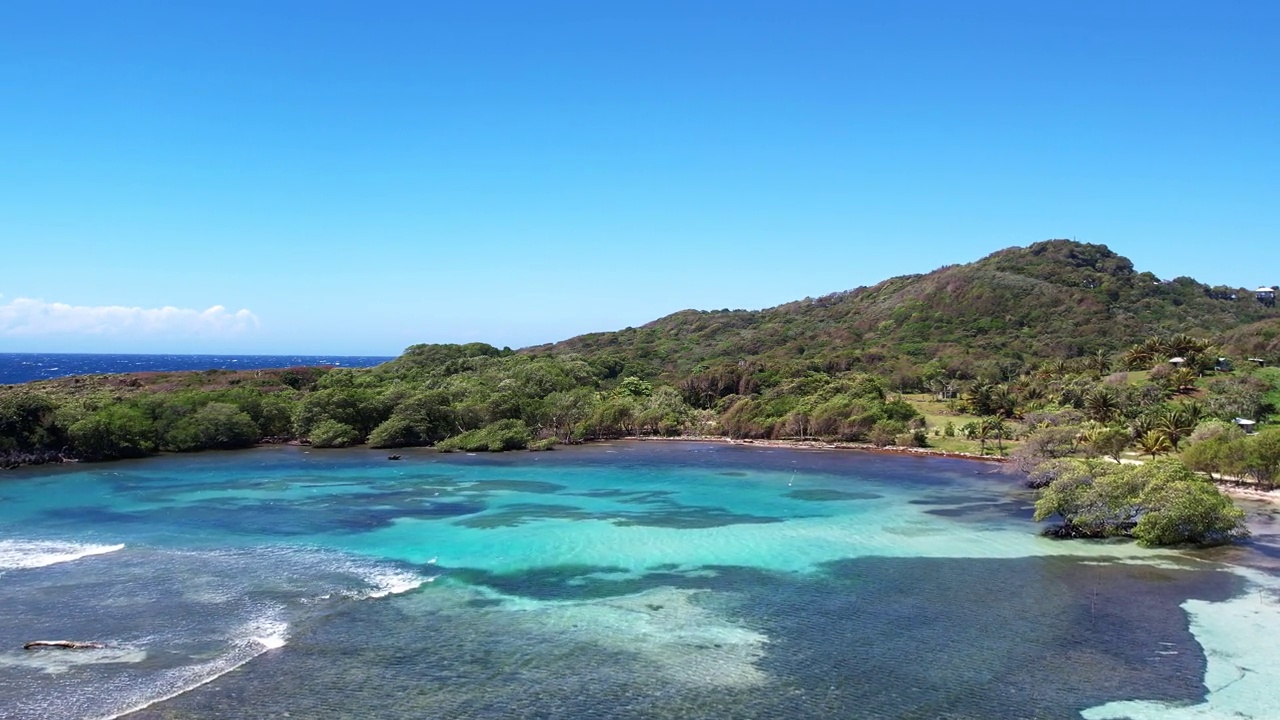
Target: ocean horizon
{"x": 17, "y": 368}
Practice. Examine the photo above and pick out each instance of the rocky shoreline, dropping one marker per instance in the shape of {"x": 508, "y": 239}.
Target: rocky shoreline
{"x": 17, "y": 459}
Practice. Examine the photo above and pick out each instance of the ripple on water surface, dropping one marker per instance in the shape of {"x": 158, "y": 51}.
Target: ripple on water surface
{"x": 169, "y": 621}
{"x": 628, "y": 581}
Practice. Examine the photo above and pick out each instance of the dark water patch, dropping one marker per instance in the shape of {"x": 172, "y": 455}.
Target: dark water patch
{"x": 691, "y": 518}
{"x": 1268, "y": 548}
{"x": 629, "y": 497}
{"x": 82, "y": 515}
{"x": 284, "y": 519}
{"x": 952, "y": 499}
{"x": 603, "y": 493}
{"x": 827, "y": 495}
{"x": 577, "y": 581}
{"x": 1035, "y": 637}
{"x": 648, "y": 497}
{"x": 398, "y": 496}
{"x": 668, "y": 514}
{"x": 522, "y": 513}
{"x": 524, "y": 486}
{"x": 868, "y": 638}
{"x": 984, "y": 510}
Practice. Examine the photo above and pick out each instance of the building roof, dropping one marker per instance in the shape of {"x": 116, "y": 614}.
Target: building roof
{"x": 1244, "y": 421}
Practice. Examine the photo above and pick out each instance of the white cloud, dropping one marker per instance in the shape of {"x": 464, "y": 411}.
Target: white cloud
{"x": 28, "y": 317}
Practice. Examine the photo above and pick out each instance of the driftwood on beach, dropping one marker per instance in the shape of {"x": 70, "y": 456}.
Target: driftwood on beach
{"x": 63, "y": 644}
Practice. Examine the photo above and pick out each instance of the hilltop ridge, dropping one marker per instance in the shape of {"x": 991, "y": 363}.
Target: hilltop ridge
{"x": 1056, "y": 298}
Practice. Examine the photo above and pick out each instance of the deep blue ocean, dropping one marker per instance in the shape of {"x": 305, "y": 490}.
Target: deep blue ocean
{"x": 26, "y": 367}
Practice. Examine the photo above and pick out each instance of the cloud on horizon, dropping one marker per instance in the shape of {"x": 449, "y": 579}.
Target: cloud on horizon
{"x": 26, "y": 317}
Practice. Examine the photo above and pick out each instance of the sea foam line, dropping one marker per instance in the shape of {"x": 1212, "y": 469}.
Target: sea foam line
{"x": 391, "y": 582}
{"x": 25, "y": 554}
{"x": 256, "y": 638}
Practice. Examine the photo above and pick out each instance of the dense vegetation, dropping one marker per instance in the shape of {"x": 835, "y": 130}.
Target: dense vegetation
{"x": 988, "y": 319}
{"x": 1060, "y": 353}
{"x": 1159, "y": 503}
{"x": 456, "y": 397}
{"x": 1037, "y": 349}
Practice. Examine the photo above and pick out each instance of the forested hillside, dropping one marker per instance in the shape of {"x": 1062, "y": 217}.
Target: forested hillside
{"x": 1054, "y": 299}
{"x": 1059, "y": 337}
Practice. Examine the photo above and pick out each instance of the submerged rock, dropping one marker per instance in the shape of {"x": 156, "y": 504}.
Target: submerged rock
{"x": 63, "y": 645}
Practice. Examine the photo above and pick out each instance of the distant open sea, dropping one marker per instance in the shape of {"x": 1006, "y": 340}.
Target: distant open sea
{"x": 26, "y": 367}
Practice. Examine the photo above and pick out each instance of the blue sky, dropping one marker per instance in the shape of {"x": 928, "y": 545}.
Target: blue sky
{"x": 358, "y": 177}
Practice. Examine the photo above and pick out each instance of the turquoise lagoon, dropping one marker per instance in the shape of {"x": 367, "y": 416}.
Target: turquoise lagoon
{"x": 633, "y": 580}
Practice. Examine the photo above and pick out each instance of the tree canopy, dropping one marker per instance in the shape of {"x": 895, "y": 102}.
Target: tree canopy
{"x": 1161, "y": 502}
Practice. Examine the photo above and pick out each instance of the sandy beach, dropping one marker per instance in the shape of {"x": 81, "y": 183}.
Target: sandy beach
{"x": 819, "y": 445}
{"x": 1251, "y": 493}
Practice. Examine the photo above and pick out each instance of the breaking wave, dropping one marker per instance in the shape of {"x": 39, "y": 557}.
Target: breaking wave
{"x": 27, "y": 554}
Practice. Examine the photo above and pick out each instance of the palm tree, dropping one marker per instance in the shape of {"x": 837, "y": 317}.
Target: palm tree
{"x": 1154, "y": 443}
{"x": 1072, "y": 394}
{"x": 977, "y": 430}
{"x": 1178, "y": 421}
{"x": 995, "y": 426}
{"x": 1184, "y": 345}
{"x": 1137, "y": 358}
{"x": 1099, "y": 363}
{"x": 979, "y": 398}
{"x": 1058, "y": 367}
{"x": 1195, "y": 410}
{"x": 1102, "y": 405}
{"x": 1155, "y": 347}
{"x": 1004, "y": 402}
{"x": 1182, "y": 381}
{"x": 1143, "y": 424}
{"x": 1033, "y": 395}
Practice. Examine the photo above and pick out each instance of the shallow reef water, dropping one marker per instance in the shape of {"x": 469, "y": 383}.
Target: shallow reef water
{"x": 634, "y": 580}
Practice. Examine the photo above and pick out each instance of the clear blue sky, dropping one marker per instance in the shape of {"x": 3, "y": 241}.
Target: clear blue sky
{"x": 363, "y": 176}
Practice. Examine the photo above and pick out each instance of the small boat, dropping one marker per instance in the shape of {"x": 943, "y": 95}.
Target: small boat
{"x": 393, "y": 457}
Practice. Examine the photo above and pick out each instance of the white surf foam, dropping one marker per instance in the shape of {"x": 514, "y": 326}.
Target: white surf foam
{"x": 251, "y": 640}
{"x": 392, "y": 582}
{"x": 56, "y": 662}
{"x": 25, "y": 555}
{"x": 270, "y": 634}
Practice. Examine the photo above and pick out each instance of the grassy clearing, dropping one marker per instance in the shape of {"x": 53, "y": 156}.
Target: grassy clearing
{"x": 937, "y": 414}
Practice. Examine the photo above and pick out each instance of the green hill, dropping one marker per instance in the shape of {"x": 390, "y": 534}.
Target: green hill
{"x": 1018, "y": 306}
{"x": 991, "y": 341}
